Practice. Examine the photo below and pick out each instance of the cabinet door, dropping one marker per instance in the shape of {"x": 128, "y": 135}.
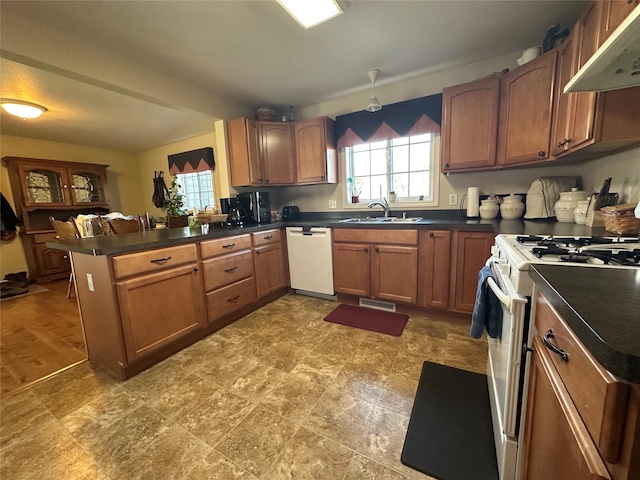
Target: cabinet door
{"x": 50, "y": 260}
{"x": 557, "y": 444}
{"x": 277, "y": 153}
{"x": 269, "y": 269}
{"x": 160, "y": 308}
{"x": 433, "y": 271}
{"x": 315, "y": 151}
{"x": 564, "y": 71}
{"x": 88, "y": 185}
{"x": 43, "y": 185}
{"x": 471, "y": 250}
{"x": 244, "y": 152}
{"x": 470, "y": 125}
{"x": 352, "y": 269}
{"x": 526, "y": 98}
{"x": 612, "y": 13}
{"x": 394, "y": 271}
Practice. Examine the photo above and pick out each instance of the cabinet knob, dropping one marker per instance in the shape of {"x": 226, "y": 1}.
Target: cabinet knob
{"x": 322, "y": 177}
{"x": 563, "y": 142}
{"x": 366, "y": 249}
{"x": 267, "y": 180}
{"x": 431, "y": 234}
{"x": 541, "y": 153}
{"x": 195, "y": 269}
{"x": 376, "y": 249}
{"x": 446, "y": 165}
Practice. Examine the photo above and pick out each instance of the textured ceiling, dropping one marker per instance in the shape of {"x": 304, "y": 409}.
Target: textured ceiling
{"x": 250, "y": 53}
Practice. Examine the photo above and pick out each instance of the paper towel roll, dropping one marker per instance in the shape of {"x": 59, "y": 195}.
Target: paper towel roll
{"x": 473, "y": 202}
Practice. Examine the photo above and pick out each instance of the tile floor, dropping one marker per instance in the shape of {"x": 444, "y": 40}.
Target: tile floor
{"x": 279, "y": 394}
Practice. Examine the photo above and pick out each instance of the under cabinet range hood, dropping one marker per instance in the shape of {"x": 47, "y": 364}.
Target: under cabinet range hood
{"x": 616, "y": 64}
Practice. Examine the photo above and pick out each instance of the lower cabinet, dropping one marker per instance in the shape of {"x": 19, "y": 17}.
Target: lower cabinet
{"x": 270, "y": 263}
{"x": 159, "y": 308}
{"x": 434, "y": 267}
{"x": 557, "y": 443}
{"x": 470, "y": 252}
{"x": 50, "y": 261}
{"x": 380, "y": 264}
{"x": 229, "y": 280}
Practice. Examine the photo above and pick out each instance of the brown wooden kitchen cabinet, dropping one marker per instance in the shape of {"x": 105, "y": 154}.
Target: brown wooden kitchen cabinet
{"x": 150, "y": 318}
{"x": 611, "y": 14}
{"x": 434, "y": 266}
{"x": 276, "y": 152}
{"x": 380, "y": 264}
{"x": 470, "y": 125}
{"x": 587, "y": 124}
{"x": 244, "y": 152}
{"x": 526, "y": 101}
{"x": 229, "y": 280}
{"x": 581, "y": 420}
{"x": 316, "y": 155}
{"x": 470, "y": 251}
{"x": 269, "y": 256}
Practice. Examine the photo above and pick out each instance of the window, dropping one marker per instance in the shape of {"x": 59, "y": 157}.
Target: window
{"x": 402, "y": 165}
{"x": 197, "y": 189}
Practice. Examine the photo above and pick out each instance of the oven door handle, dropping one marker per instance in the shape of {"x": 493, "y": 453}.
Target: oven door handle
{"x": 504, "y": 299}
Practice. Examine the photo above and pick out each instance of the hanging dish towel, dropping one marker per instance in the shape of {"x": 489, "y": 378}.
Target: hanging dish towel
{"x": 487, "y": 311}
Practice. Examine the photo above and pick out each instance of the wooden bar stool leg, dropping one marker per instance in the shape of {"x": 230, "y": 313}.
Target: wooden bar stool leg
{"x": 70, "y": 285}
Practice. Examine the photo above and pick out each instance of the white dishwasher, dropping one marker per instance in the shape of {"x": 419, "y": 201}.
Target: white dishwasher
{"x": 310, "y": 260}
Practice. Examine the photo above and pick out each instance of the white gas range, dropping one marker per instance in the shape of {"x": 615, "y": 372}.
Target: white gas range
{"x": 507, "y": 368}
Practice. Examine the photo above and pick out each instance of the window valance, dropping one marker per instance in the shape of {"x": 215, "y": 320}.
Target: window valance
{"x": 402, "y": 119}
{"x": 193, "y": 161}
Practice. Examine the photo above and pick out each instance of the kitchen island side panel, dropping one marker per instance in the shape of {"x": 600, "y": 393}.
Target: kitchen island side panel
{"x": 99, "y": 312}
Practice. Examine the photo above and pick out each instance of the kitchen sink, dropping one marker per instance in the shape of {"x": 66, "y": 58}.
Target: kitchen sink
{"x": 381, "y": 220}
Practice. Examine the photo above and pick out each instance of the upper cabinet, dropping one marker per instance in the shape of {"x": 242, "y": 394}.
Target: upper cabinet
{"x": 470, "y": 125}
{"x": 526, "y": 97}
{"x": 536, "y": 121}
{"x": 277, "y": 153}
{"x": 50, "y": 183}
{"x": 316, "y": 151}
{"x": 281, "y": 153}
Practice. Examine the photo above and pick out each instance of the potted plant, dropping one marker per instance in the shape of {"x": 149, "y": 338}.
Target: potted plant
{"x": 354, "y": 190}
{"x": 175, "y": 206}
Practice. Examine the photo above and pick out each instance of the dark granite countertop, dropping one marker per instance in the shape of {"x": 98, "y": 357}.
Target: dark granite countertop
{"x": 444, "y": 219}
{"x": 602, "y": 307}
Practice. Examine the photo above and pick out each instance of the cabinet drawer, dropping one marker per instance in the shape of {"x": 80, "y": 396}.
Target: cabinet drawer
{"x": 230, "y": 298}
{"x": 597, "y": 394}
{"x": 153, "y": 260}
{"x": 226, "y": 269}
{"x": 365, "y": 235}
{"x": 44, "y": 237}
{"x": 222, "y": 246}
{"x": 266, "y": 237}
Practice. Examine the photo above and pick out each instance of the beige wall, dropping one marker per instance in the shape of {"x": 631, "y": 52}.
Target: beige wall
{"x": 123, "y": 182}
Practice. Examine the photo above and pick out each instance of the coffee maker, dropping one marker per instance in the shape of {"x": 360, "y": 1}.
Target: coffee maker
{"x": 256, "y": 205}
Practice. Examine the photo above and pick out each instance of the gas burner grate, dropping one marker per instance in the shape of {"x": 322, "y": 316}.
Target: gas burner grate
{"x": 549, "y": 250}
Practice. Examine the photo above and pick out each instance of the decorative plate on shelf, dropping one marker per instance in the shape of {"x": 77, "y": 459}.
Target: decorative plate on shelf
{"x": 265, "y": 114}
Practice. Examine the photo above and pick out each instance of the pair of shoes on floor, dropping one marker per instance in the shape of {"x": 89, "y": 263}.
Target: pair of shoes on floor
{"x": 19, "y": 279}
{"x": 14, "y": 284}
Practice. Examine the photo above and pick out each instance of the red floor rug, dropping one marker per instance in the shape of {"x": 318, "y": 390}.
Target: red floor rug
{"x": 368, "y": 319}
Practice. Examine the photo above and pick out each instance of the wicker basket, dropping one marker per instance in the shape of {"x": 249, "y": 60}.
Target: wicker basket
{"x": 620, "y": 219}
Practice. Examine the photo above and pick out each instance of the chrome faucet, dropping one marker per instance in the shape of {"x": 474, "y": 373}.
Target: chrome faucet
{"x": 384, "y": 204}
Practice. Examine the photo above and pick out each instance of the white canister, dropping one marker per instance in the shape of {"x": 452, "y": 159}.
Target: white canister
{"x": 580, "y": 213}
{"x": 489, "y": 208}
{"x": 567, "y": 204}
{"x": 512, "y": 207}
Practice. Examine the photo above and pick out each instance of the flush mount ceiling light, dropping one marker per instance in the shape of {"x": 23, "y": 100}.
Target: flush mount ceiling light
{"x": 374, "y": 103}
{"x": 22, "y": 109}
{"x": 310, "y": 13}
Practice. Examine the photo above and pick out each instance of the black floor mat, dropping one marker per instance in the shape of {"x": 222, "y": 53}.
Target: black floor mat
{"x": 450, "y": 435}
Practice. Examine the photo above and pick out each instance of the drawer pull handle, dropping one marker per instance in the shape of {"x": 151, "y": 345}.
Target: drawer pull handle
{"x": 268, "y": 237}
{"x": 229, "y": 245}
{"x": 195, "y": 269}
{"x": 229, "y": 270}
{"x": 233, "y": 299}
{"x": 552, "y": 347}
{"x": 160, "y": 260}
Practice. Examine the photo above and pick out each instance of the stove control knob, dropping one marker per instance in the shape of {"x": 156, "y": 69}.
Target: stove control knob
{"x": 495, "y": 251}
{"x": 504, "y": 266}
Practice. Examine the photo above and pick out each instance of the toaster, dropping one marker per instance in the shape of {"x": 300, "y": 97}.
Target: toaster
{"x": 290, "y": 213}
